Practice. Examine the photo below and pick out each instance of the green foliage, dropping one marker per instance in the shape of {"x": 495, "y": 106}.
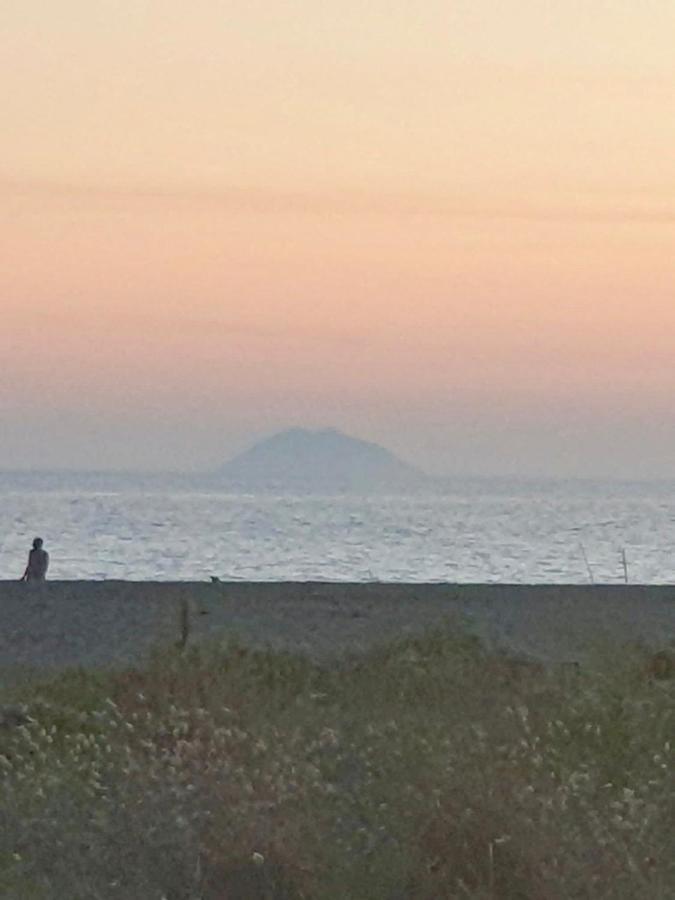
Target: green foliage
{"x": 429, "y": 769}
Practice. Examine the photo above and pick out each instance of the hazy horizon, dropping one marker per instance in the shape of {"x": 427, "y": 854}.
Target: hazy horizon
{"x": 449, "y": 230}
{"x": 213, "y": 469}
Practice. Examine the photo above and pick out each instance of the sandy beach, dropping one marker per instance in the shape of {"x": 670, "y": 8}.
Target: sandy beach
{"x": 91, "y": 624}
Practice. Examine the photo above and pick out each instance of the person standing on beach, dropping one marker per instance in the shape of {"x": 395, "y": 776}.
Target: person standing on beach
{"x": 38, "y": 563}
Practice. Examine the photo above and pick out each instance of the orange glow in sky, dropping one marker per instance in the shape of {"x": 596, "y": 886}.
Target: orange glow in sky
{"x": 448, "y": 227}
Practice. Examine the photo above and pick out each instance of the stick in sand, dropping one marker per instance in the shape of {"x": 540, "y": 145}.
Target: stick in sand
{"x": 183, "y": 623}
{"x": 588, "y": 565}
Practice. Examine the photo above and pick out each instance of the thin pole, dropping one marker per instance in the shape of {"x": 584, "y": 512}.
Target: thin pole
{"x": 625, "y": 564}
{"x": 588, "y": 565}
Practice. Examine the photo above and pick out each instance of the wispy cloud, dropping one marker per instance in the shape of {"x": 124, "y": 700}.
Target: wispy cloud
{"x": 588, "y": 206}
{"x": 158, "y": 325}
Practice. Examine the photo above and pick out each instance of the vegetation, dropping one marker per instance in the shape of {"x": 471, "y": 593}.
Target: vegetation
{"x": 430, "y": 769}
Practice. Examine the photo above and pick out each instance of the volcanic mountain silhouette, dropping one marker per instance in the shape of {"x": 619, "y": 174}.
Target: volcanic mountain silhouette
{"x": 320, "y": 461}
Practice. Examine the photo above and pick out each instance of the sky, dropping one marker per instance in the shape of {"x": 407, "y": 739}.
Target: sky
{"x": 448, "y": 227}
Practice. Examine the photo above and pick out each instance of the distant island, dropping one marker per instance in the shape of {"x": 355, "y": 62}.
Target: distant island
{"x": 295, "y": 461}
{"x": 317, "y": 461}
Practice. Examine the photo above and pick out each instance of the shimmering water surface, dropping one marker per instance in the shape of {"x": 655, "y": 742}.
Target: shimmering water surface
{"x": 476, "y": 531}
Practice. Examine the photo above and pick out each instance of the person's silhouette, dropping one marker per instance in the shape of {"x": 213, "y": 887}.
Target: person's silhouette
{"x": 38, "y": 563}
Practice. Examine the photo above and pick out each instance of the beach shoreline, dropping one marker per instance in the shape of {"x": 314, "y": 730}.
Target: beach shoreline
{"x": 89, "y": 624}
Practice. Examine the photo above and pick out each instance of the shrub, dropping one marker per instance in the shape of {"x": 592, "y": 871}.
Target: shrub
{"x": 427, "y": 769}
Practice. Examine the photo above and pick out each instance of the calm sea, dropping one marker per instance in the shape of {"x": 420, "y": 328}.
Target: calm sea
{"x": 497, "y": 531}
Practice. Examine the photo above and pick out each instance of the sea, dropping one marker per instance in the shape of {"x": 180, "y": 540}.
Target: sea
{"x": 471, "y": 530}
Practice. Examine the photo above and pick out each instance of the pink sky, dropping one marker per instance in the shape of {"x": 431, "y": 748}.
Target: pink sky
{"x": 450, "y": 229}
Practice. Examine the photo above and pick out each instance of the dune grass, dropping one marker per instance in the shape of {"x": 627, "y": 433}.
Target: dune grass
{"x": 428, "y": 769}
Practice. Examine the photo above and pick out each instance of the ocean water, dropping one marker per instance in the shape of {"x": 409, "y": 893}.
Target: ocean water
{"x": 475, "y": 531}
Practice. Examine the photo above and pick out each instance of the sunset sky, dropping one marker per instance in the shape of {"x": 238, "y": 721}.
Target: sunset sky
{"x": 447, "y": 226}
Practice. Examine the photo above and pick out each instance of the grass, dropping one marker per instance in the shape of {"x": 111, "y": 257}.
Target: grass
{"x": 428, "y": 769}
